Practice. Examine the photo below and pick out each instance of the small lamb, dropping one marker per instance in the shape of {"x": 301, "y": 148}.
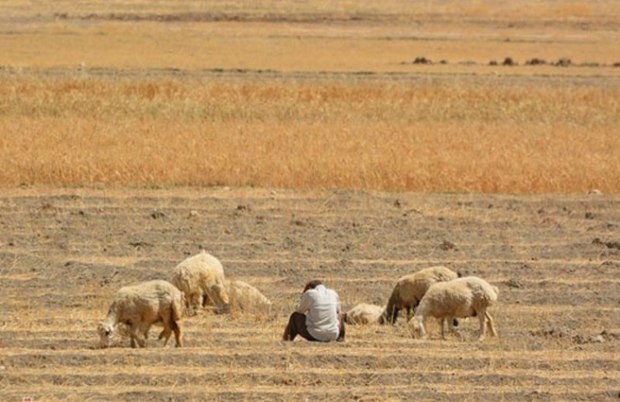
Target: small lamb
{"x": 246, "y": 298}
{"x": 410, "y": 289}
{"x": 141, "y": 306}
{"x": 462, "y": 297}
{"x": 364, "y": 314}
{"x": 201, "y": 278}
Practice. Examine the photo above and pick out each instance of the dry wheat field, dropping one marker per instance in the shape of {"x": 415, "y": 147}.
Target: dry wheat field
{"x": 414, "y": 96}
{"x": 349, "y": 141}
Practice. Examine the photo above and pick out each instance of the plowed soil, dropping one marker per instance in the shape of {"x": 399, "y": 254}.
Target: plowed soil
{"x": 554, "y": 258}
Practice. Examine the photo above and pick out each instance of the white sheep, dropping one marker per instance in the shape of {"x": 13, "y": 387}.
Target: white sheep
{"x": 462, "y": 297}
{"x": 246, "y": 298}
{"x": 201, "y": 278}
{"x": 410, "y": 289}
{"x": 141, "y": 306}
{"x": 364, "y": 314}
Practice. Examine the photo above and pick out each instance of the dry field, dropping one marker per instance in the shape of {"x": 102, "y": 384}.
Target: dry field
{"x": 311, "y": 36}
{"x": 555, "y": 260}
{"x": 344, "y": 141}
{"x": 311, "y": 95}
{"x": 471, "y": 134}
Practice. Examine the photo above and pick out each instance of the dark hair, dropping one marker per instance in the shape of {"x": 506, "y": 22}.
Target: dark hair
{"x": 312, "y": 284}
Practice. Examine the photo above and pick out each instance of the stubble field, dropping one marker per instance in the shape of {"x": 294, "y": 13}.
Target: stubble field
{"x": 555, "y": 261}
{"x": 301, "y": 140}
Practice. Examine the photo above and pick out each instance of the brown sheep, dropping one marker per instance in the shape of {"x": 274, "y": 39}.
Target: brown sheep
{"x": 410, "y": 289}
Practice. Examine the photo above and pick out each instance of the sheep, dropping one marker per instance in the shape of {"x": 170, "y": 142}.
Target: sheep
{"x": 462, "y": 297}
{"x": 201, "y": 278}
{"x": 140, "y": 306}
{"x": 246, "y": 298}
{"x": 363, "y": 314}
{"x": 410, "y": 289}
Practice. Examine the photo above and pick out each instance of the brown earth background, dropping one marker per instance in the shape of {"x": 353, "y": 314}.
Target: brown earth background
{"x": 301, "y": 140}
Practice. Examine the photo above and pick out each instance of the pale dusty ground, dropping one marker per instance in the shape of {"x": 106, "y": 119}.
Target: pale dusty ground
{"x": 65, "y": 252}
{"x": 312, "y": 37}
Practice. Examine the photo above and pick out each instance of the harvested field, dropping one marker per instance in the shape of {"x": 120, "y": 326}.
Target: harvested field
{"x": 554, "y": 258}
{"x": 275, "y": 135}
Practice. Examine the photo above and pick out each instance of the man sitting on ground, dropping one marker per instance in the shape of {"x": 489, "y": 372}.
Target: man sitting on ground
{"x": 318, "y": 316}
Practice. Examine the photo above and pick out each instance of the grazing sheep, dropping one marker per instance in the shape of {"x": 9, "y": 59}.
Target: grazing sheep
{"x": 410, "y": 289}
{"x": 364, "y": 314}
{"x": 139, "y": 307}
{"x": 201, "y": 278}
{"x": 462, "y": 297}
{"x": 246, "y": 298}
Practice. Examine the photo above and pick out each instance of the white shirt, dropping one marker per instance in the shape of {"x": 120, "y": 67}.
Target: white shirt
{"x": 321, "y": 307}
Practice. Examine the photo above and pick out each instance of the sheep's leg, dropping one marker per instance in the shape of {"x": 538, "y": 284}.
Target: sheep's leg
{"x": 176, "y": 327}
{"x": 408, "y": 313}
{"x": 195, "y": 301}
{"x": 167, "y": 331}
{"x": 423, "y": 334}
{"x": 165, "y": 334}
{"x": 205, "y": 300}
{"x": 136, "y": 336}
{"x": 454, "y": 328}
{"x": 132, "y": 335}
{"x": 145, "y": 330}
{"x": 491, "y": 324}
{"x": 394, "y": 315}
{"x": 443, "y": 332}
{"x": 483, "y": 327}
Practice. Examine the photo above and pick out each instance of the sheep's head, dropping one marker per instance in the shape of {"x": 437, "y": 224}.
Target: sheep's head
{"x": 220, "y": 294}
{"x": 105, "y": 332}
{"x": 417, "y": 328}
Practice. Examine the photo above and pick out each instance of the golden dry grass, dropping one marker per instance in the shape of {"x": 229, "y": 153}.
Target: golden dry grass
{"x": 310, "y": 94}
{"x": 461, "y": 134}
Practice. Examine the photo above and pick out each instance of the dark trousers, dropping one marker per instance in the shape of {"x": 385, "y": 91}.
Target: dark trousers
{"x": 297, "y": 326}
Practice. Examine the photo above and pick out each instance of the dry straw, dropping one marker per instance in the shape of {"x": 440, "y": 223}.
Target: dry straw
{"x": 458, "y": 134}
